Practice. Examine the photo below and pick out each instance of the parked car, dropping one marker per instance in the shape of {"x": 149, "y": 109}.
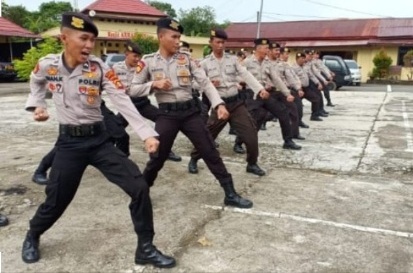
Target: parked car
{"x": 342, "y": 73}
{"x": 112, "y": 58}
{"x": 354, "y": 70}
{"x": 7, "y": 72}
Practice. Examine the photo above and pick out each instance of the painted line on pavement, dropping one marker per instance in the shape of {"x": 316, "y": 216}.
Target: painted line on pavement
{"x": 409, "y": 136}
{"x": 313, "y": 221}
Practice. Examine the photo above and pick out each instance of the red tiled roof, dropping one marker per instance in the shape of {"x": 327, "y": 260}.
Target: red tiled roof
{"x": 340, "y": 29}
{"x": 133, "y": 7}
{"x": 10, "y": 29}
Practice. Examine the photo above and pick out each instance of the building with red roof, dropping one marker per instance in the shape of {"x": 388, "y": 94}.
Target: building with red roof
{"x": 358, "y": 39}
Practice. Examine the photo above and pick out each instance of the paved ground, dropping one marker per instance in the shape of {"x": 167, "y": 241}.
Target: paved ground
{"x": 342, "y": 204}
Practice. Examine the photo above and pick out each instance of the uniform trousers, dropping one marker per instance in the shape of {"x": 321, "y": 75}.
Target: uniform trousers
{"x": 274, "y": 104}
{"x": 293, "y": 113}
{"x": 189, "y": 122}
{"x": 73, "y": 155}
{"x": 311, "y": 94}
{"x": 242, "y": 122}
{"x": 117, "y": 135}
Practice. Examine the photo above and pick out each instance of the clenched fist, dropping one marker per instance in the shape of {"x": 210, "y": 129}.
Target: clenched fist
{"x": 151, "y": 145}
{"x": 222, "y": 112}
{"x": 40, "y": 114}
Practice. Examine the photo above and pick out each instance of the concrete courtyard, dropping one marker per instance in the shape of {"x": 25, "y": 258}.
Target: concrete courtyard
{"x": 344, "y": 203}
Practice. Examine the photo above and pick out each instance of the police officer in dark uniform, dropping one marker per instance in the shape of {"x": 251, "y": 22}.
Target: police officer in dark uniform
{"x": 125, "y": 71}
{"x": 168, "y": 74}
{"x": 82, "y": 137}
{"x": 3, "y": 220}
{"x": 223, "y": 69}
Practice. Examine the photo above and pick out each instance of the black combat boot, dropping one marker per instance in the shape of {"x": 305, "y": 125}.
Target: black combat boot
{"x": 315, "y": 118}
{"x": 147, "y": 253}
{"x": 330, "y": 104}
{"x": 263, "y": 126}
{"x": 289, "y": 144}
{"x": 255, "y": 169}
{"x": 174, "y": 157}
{"x": 40, "y": 175}
{"x": 193, "y": 166}
{"x": 3, "y": 220}
{"x": 232, "y": 198}
{"x": 303, "y": 125}
{"x": 238, "y": 149}
{"x": 30, "y": 251}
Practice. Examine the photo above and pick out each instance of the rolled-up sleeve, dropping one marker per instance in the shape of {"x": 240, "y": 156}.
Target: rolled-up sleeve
{"x": 140, "y": 85}
{"x": 37, "y": 96}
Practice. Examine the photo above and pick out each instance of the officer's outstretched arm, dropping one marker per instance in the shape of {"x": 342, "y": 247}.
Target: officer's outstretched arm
{"x": 36, "y": 101}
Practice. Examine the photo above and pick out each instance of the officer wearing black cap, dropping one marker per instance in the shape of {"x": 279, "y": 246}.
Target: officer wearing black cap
{"x": 168, "y": 74}
{"x": 291, "y": 80}
{"x": 310, "y": 93}
{"x": 125, "y": 71}
{"x": 184, "y": 47}
{"x": 76, "y": 79}
{"x": 326, "y": 72}
{"x": 223, "y": 69}
{"x": 260, "y": 68}
{"x": 317, "y": 80}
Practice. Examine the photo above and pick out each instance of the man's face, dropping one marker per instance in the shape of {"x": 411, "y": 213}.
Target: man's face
{"x": 78, "y": 44}
{"x": 275, "y": 53}
{"x": 169, "y": 40}
{"x": 300, "y": 61}
{"x": 217, "y": 45}
{"x": 132, "y": 58}
{"x": 316, "y": 56}
{"x": 284, "y": 56}
{"x": 308, "y": 57}
{"x": 261, "y": 51}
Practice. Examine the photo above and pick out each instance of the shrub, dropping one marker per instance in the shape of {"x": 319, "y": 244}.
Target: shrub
{"x": 25, "y": 66}
{"x": 382, "y": 62}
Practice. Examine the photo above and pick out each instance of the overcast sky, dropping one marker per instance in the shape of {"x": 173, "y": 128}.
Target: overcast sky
{"x": 278, "y": 10}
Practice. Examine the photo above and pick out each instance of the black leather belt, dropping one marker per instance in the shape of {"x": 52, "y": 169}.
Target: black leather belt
{"x": 231, "y": 99}
{"x": 83, "y": 130}
{"x": 140, "y": 101}
{"x": 179, "y": 106}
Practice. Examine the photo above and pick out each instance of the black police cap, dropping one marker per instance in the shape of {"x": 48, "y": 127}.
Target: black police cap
{"x": 219, "y": 33}
{"x": 261, "y": 41}
{"x": 275, "y": 45}
{"x": 183, "y": 44}
{"x": 133, "y": 47}
{"x": 308, "y": 51}
{"x": 300, "y": 54}
{"x": 284, "y": 49}
{"x": 79, "y": 21}
{"x": 169, "y": 23}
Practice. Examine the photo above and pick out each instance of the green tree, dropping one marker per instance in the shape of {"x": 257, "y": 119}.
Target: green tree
{"x": 16, "y": 14}
{"x": 165, "y": 7}
{"x": 25, "y": 66}
{"x": 48, "y": 16}
{"x": 147, "y": 44}
{"x": 382, "y": 63}
{"x": 198, "y": 21}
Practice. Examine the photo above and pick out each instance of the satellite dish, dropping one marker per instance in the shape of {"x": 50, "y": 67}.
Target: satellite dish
{"x": 92, "y": 13}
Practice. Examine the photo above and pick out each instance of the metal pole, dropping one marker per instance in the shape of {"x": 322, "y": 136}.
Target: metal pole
{"x": 11, "y": 49}
{"x": 259, "y": 20}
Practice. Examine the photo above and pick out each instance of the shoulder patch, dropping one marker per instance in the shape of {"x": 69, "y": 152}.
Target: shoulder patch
{"x": 111, "y": 76}
{"x": 140, "y": 66}
{"x": 36, "y": 68}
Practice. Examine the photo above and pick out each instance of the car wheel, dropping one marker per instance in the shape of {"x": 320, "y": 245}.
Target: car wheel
{"x": 358, "y": 84}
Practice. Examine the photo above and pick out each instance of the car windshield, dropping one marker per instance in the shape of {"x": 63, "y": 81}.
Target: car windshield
{"x": 352, "y": 64}
{"x": 118, "y": 58}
